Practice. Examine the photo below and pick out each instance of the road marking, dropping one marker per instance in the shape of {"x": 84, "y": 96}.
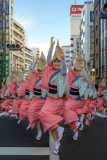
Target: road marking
{"x": 24, "y": 151}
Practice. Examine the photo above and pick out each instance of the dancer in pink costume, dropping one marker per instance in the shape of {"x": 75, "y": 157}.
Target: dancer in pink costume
{"x": 75, "y": 105}
{"x": 12, "y": 88}
{"x": 21, "y": 91}
{"x": 3, "y": 89}
{"x": 100, "y": 99}
{"x": 54, "y": 81}
{"x": 38, "y": 98}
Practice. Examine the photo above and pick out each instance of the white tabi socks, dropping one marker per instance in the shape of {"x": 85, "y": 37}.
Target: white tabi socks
{"x": 28, "y": 127}
{"x": 76, "y": 132}
{"x": 4, "y": 114}
{"x": 75, "y": 136}
{"x": 39, "y": 132}
{"x": 82, "y": 122}
{"x": 19, "y": 121}
{"x": 60, "y": 131}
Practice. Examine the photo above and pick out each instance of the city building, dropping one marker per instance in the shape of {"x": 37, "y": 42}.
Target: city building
{"x": 67, "y": 54}
{"x": 87, "y": 33}
{"x": 12, "y": 32}
{"x": 18, "y": 37}
{"x": 28, "y": 57}
{"x": 75, "y": 19}
{"x": 6, "y": 14}
{"x": 24, "y": 57}
{"x": 100, "y": 41}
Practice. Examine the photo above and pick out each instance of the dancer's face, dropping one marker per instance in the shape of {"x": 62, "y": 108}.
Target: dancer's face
{"x": 57, "y": 64}
{"x": 79, "y": 65}
{"x": 82, "y": 65}
{"x": 40, "y": 73}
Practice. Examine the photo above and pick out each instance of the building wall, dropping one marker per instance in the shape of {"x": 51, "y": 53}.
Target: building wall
{"x": 28, "y": 57}
{"x": 5, "y": 35}
{"x": 100, "y": 45}
{"x": 103, "y": 41}
{"x": 18, "y": 37}
{"x": 11, "y": 32}
{"x": 75, "y": 17}
{"x": 67, "y": 55}
{"x": 86, "y": 32}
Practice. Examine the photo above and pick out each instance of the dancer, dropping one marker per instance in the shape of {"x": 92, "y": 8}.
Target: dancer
{"x": 75, "y": 105}
{"x": 54, "y": 81}
{"x": 38, "y": 97}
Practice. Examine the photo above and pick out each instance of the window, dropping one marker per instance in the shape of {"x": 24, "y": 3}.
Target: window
{"x": 0, "y": 8}
{"x": 91, "y": 16}
{"x": 7, "y": 7}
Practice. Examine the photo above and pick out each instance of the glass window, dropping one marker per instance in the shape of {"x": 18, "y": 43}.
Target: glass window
{"x": 7, "y": 7}
{"x": 0, "y": 8}
{"x": 1, "y": 24}
{"x": 91, "y": 16}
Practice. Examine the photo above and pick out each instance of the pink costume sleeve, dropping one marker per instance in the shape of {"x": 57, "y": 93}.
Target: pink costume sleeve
{"x": 3, "y": 90}
{"x": 47, "y": 73}
{"x": 22, "y": 88}
{"x": 12, "y": 88}
{"x": 100, "y": 90}
{"x": 31, "y": 82}
{"x": 71, "y": 76}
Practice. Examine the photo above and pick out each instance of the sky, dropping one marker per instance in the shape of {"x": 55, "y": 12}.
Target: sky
{"x": 43, "y": 19}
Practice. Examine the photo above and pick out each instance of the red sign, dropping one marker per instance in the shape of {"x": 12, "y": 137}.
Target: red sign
{"x": 76, "y": 9}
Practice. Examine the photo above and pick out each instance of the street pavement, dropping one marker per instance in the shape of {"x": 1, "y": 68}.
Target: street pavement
{"x": 18, "y": 144}
{"x": 92, "y": 143}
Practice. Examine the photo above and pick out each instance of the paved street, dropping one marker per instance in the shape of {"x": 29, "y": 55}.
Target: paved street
{"x": 16, "y": 142}
{"x": 20, "y": 144}
{"x": 92, "y": 144}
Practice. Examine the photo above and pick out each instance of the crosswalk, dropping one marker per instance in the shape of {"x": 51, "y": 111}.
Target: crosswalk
{"x": 24, "y": 151}
{"x": 16, "y": 141}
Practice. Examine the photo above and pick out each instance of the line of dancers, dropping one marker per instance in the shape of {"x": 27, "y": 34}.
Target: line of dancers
{"x": 52, "y": 96}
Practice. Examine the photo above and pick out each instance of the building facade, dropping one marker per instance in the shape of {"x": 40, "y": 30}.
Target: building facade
{"x": 75, "y": 19}
{"x": 18, "y": 37}
{"x": 67, "y": 55}
{"x": 87, "y": 33}
{"x": 24, "y": 57}
{"x": 100, "y": 41}
{"x": 12, "y": 32}
{"x": 6, "y": 14}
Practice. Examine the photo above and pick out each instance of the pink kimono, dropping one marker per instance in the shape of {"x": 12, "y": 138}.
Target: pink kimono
{"x": 100, "y": 99}
{"x": 52, "y": 112}
{"x": 22, "y": 88}
{"x": 12, "y": 88}
{"x": 23, "y": 110}
{"x": 3, "y": 90}
{"x": 34, "y": 110}
{"x": 31, "y": 81}
{"x": 16, "y": 105}
{"x": 6, "y": 105}
{"x": 73, "y": 106}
